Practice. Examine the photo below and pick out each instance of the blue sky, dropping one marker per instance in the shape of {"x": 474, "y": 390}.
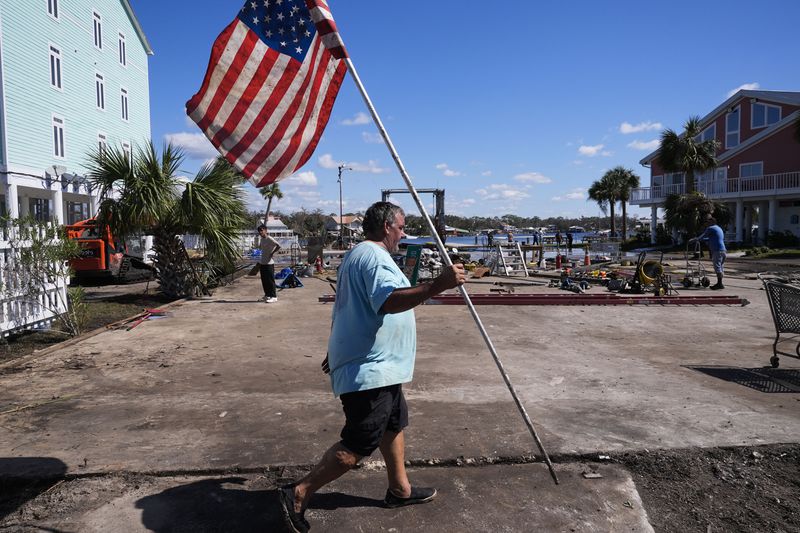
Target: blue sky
{"x": 512, "y": 107}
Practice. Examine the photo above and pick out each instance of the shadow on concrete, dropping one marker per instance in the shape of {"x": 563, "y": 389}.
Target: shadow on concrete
{"x": 207, "y": 505}
{"x": 329, "y": 501}
{"x": 24, "y": 478}
{"x": 763, "y": 379}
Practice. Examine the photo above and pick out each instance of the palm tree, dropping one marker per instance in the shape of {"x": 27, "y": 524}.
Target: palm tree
{"x": 605, "y": 192}
{"x": 142, "y": 194}
{"x": 623, "y": 181}
{"x": 683, "y": 153}
{"x": 688, "y": 212}
{"x": 269, "y": 192}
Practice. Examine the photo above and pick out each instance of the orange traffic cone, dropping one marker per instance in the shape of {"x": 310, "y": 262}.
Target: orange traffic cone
{"x": 318, "y": 264}
{"x": 586, "y": 260}
{"x": 558, "y": 261}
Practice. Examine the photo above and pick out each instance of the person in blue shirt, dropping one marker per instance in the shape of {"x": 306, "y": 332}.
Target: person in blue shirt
{"x": 714, "y": 237}
{"x": 371, "y": 353}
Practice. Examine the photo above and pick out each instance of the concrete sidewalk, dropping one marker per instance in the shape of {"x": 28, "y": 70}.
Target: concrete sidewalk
{"x": 230, "y": 383}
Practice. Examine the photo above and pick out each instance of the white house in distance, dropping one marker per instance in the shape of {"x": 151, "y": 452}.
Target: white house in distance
{"x": 73, "y": 80}
{"x": 759, "y": 165}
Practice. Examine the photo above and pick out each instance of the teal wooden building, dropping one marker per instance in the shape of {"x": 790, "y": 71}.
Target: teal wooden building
{"x": 73, "y": 79}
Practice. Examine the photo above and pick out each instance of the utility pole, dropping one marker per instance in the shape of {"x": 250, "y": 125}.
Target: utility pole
{"x": 341, "y": 167}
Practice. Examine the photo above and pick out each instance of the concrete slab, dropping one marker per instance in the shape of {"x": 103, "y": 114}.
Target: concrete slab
{"x": 232, "y": 383}
{"x": 489, "y": 498}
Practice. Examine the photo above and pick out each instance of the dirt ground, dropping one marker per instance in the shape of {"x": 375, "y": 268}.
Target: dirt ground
{"x": 106, "y": 304}
{"x": 753, "y": 489}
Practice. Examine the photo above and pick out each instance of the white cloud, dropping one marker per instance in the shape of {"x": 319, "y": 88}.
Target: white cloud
{"x": 371, "y": 138}
{"x": 627, "y": 127}
{"x": 644, "y": 145}
{"x": 447, "y": 171}
{"x": 194, "y": 145}
{"x": 501, "y": 191}
{"x": 486, "y": 173}
{"x": 533, "y": 177}
{"x": 371, "y": 167}
{"x": 744, "y": 87}
{"x": 591, "y": 151}
{"x": 578, "y": 193}
{"x": 302, "y": 179}
{"x": 359, "y": 119}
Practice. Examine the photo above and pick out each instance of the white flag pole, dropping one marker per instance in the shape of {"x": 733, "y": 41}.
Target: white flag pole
{"x": 448, "y": 262}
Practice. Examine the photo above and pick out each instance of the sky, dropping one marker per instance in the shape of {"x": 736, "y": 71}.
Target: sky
{"x": 511, "y": 107}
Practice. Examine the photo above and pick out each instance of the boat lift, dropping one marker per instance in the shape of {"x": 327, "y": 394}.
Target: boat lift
{"x": 438, "y": 215}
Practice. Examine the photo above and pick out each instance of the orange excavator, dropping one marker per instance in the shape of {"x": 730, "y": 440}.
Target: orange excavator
{"x": 103, "y": 256}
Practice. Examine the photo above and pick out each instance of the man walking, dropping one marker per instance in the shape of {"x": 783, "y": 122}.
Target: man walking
{"x": 715, "y": 238}
{"x": 371, "y": 353}
{"x": 268, "y": 247}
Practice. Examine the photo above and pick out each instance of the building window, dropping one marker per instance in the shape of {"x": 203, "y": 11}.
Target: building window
{"x": 77, "y": 211}
{"x": 40, "y": 209}
{"x": 102, "y": 144}
{"x": 732, "y": 121}
{"x": 123, "y": 96}
{"x": 98, "y": 30}
{"x": 708, "y": 134}
{"x": 58, "y": 137}
{"x": 751, "y": 170}
{"x": 52, "y": 8}
{"x": 55, "y": 67}
{"x": 123, "y": 51}
{"x": 764, "y": 115}
{"x": 126, "y": 149}
{"x": 100, "y": 91}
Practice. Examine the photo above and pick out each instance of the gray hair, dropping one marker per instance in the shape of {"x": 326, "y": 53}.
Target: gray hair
{"x": 378, "y": 214}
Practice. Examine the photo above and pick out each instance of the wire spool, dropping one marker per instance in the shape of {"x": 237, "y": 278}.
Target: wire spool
{"x": 651, "y": 271}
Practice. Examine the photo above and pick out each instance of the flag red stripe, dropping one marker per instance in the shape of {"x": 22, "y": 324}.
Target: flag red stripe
{"x": 229, "y": 80}
{"x": 326, "y": 26}
{"x": 280, "y": 131}
{"x": 260, "y": 77}
{"x": 216, "y": 53}
{"x": 324, "y": 114}
{"x": 294, "y": 143}
{"x": 292, "y": 68}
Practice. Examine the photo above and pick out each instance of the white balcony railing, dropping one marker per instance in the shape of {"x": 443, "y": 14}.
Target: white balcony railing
{"x": 733, "y": 187}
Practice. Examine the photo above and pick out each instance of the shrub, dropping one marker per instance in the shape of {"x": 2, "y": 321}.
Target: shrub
{"x": 786, "y": 239}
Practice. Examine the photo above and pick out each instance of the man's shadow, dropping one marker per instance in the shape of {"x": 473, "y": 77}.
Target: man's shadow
{"x": 208, "y": 506}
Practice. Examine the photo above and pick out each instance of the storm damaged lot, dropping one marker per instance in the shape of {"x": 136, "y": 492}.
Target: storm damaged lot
{"x": 657, "y": 418}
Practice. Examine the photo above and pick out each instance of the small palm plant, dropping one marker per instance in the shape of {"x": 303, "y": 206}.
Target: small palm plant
{"x": 144, "y": 195}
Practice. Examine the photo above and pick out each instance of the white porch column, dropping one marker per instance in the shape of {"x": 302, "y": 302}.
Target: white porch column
{"x": 58, "y": 205}
{"x": 92, "y": 205}
{"x": 739, "y": 219}
{"x": 773, "y": 215}
{"x": 762, "y": 222}
{"x": 748, "y": 223}
{"x": 12, "y": 200}
{"x": 653, "y": 223}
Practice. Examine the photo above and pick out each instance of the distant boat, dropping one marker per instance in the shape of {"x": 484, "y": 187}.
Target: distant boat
{"x": 576, "y": 229}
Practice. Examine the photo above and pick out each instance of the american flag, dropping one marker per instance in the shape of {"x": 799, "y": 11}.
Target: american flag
{"x": 269, "y": 89}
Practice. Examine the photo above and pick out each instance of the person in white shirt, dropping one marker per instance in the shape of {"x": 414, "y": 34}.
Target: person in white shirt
{"x": 268, "y": 247}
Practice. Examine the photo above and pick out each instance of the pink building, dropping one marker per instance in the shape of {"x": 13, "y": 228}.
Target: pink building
{"x": 759, "y": 165}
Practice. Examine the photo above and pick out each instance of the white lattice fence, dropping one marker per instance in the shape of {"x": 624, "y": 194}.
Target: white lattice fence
{"x": 20, "y": 307}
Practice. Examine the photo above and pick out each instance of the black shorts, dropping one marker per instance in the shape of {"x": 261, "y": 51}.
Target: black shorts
{"x": 369, "y": 414}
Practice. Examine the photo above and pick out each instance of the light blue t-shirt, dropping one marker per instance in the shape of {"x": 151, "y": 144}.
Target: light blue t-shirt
{"x": 367, "y": 348}
{"x": 715, "y": 238}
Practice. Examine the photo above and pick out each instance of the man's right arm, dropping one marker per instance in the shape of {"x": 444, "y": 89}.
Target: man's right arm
{"x": 408, "y": 298}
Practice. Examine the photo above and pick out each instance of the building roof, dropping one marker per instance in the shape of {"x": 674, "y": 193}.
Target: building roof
{"x": 778, "y": 97}
{"x": 347, "y": 219}
{"x": 138, "y": 27}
